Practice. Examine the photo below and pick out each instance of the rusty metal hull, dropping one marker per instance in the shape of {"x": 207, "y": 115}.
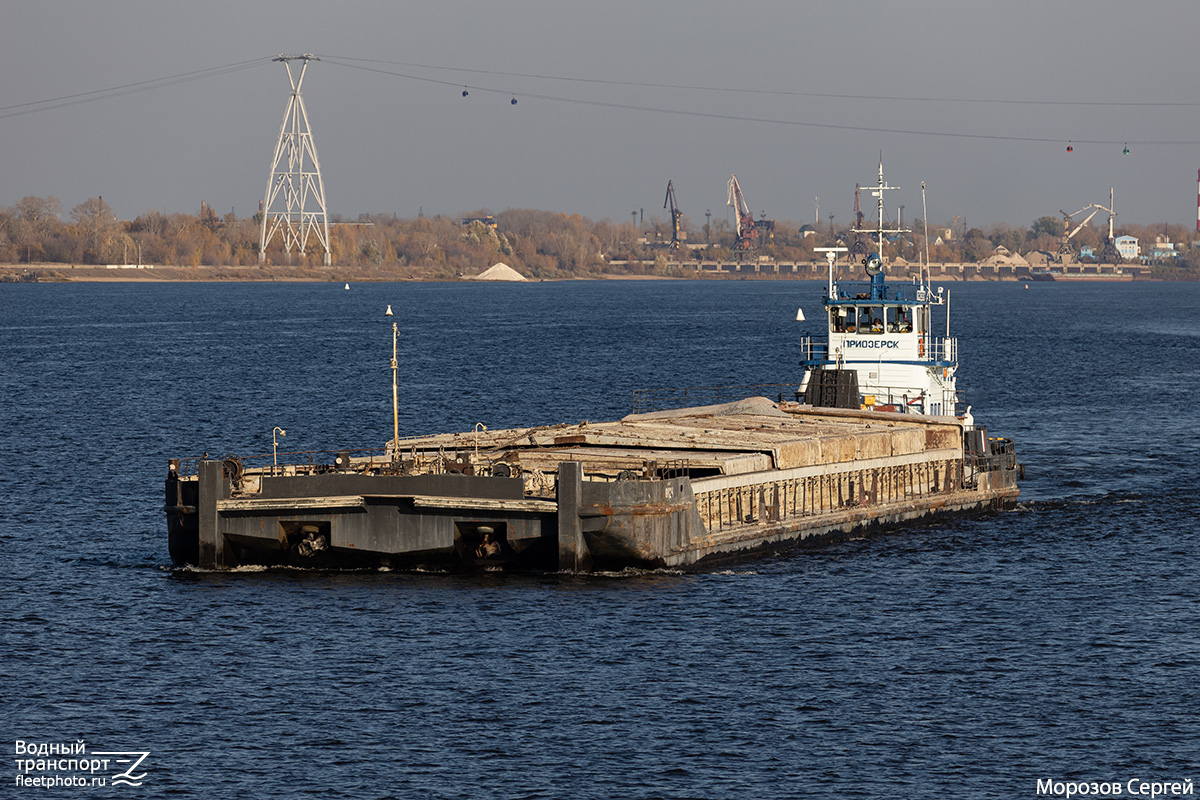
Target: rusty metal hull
{"x": 724, "y": 481}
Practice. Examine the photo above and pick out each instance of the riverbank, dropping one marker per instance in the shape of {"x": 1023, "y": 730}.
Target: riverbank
{"x": 84, "y": 273}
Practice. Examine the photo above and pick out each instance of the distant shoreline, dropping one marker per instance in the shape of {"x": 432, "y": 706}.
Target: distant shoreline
{"x": 67, "y": 273}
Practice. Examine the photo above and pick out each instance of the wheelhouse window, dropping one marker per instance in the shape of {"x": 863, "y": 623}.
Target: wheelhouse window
{"x": 843, "y": 319}
{"x": 870, "y": 319}
{"x": 899, "y": 319}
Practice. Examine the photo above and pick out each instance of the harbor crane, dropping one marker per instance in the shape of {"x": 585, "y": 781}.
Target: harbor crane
{"x": 1066, "y": 250}
{"x": 1109, "y": 253}
{"x": 676, "y": 214}
{"x": 745, "y": 220}
{"x": 859, "y": 248}
{"x": 750, "y": 232}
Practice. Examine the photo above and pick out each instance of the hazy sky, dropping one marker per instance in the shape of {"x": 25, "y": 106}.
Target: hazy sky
{"x": 795, "y": 98}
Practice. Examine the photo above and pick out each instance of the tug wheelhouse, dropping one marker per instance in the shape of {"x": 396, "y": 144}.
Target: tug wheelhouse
{"x": 885, "y": 334}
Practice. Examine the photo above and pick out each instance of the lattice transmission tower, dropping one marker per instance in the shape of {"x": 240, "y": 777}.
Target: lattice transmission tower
{"x": 295, "y": 200}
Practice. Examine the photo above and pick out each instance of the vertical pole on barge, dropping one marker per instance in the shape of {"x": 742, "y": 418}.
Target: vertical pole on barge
{"x": 213, "y": 487}
{"x": 395, "y": 394}
{"x": 573, "y": 553}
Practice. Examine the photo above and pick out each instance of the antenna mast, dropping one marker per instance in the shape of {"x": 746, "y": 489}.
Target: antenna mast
{"x": 925, "y": 222}
{"x": 880, "y": 230}
{"x": 295, "y": 200}
{"x": 879, "y": 193}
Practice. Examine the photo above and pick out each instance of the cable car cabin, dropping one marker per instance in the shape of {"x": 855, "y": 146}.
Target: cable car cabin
{"x": 884, "y": 332}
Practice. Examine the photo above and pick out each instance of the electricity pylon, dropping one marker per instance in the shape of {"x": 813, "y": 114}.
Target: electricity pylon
{"x": 295, "y": 201}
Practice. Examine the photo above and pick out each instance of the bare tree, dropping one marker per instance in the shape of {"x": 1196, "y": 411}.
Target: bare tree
{"x": 98, "y": 223}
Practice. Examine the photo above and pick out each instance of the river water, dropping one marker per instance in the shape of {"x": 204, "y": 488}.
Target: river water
{"x": 968, "y": 658}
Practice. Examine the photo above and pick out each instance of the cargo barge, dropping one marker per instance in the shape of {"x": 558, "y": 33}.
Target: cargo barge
{"x": 664, "y": 489}
{"x": 875, "y": 437}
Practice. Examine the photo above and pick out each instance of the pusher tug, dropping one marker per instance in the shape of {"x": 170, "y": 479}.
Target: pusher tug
{"x": 883, "y": 335}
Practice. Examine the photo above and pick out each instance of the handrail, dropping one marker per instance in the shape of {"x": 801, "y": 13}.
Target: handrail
{"x": 308, "y": 458}
{"x": 860, "y": 291}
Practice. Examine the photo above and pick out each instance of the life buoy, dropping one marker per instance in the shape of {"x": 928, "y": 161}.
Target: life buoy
{"x": 921, "y": 349}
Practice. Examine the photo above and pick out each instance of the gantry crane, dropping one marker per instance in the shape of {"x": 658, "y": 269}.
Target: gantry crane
{"x": 675, "y": 215}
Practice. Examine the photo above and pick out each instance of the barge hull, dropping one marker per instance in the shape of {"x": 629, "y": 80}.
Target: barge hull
{"x": 760, "y": 477}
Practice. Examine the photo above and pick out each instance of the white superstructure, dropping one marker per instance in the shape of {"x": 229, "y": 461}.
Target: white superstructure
{"x": 885, "y": 333}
